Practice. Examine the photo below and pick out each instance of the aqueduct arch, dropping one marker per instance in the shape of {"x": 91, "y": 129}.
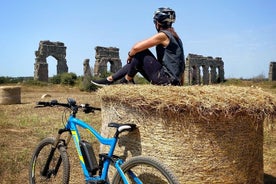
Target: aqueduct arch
{"x": 47, "y": 48}
{"x": 105, "y": 55}
{"x": 203, "y": 70}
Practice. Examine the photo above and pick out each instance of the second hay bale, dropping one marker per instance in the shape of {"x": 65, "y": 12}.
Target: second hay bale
{"x": 10, "y": 95}
{"x": 205, "y": 134}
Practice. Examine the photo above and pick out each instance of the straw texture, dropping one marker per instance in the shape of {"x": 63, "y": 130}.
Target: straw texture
{"x": 10, "y": 95}
{"x": 206, "y": 134}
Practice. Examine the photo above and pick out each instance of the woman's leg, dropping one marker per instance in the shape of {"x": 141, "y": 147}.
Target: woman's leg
{"x": 152, "y": 70}
{"x": 135, "y": 66}
{"x": 121, "y": 73}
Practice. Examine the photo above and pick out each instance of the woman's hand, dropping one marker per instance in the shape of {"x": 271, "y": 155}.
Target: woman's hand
{"x": 129, "y": 58}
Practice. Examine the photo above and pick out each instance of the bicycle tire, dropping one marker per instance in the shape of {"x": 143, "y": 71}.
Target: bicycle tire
{"x": 149, "y": 170}
{"x": 38, "y": 161}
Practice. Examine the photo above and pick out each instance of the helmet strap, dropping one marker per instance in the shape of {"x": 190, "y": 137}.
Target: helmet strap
{"x": 157, "y": 26}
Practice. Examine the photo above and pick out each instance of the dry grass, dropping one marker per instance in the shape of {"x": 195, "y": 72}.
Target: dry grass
{"x": 22, "y": 127}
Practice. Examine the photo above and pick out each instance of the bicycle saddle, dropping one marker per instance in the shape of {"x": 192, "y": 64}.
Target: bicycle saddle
{"x": 122, "y": 127}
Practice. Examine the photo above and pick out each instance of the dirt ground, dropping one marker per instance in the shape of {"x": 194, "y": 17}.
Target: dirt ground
{"x": 22, "y": 126}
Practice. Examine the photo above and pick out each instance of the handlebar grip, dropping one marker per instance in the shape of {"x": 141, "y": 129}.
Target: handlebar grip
{"x": 43, "y": 103}
{"x": 51, "y": 103}
{"x": 96, "y": 108}
{"x": 88, "y": 109}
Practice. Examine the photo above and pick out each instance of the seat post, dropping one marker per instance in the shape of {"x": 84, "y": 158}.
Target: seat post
{"x": 116, "y": 135}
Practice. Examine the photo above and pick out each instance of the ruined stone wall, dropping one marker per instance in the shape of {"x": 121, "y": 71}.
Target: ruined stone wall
{"x": 272, "y": 71}
{"x": 105, "y": 55}
{"x": 87, "y": 74}
{"x": 45, "y": 49}
{"x": 203, "y": 70}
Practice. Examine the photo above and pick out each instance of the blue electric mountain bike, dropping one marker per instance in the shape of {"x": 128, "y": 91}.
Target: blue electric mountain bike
{"x": 50, "y": 161}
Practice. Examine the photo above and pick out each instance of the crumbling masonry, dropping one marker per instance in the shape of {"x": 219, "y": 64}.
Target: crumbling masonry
{"x": 203, "y": 70}
{"x": 105, "y": 55}
{"x": 47, "y": 48}
{"x": 272, "y": 71}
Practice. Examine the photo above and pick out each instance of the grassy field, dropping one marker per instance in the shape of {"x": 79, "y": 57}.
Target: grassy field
{"x": 22, "y": 126}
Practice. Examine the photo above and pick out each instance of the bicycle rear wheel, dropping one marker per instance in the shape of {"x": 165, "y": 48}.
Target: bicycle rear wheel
{"x": 149, "y": 170}
{"x": 59, "y": 161}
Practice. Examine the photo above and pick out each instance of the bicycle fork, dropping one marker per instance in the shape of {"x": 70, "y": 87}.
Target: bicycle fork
{"x": 58, "y": 142}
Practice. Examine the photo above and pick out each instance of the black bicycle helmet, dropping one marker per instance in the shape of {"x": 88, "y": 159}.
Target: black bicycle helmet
{"x": 164, "y": 16}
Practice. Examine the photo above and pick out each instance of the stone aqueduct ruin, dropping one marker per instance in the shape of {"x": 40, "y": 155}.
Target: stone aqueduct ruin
{"x": 45, "y": 49}
{"x": 105, "y": 55}
{"x": 199, "y": 69}
{"x": 203, "y": 70}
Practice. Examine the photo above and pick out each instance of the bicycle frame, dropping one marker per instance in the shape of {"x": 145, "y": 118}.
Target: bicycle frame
{"x": 71, "y": 125}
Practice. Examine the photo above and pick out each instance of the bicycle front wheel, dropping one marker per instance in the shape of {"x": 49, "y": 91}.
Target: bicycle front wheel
{"x": 147, "y": 170}
{"x": 59, "y": 169}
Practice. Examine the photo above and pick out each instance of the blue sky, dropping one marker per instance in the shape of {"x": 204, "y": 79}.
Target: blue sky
{"x": 242, "y": 32}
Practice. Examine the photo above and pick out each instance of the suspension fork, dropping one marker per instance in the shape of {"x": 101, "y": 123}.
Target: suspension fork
{"x": 58, "y": 142}
{"x": 64, "y": 143}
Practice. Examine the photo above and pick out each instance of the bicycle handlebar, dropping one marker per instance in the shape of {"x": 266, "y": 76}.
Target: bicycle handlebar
{"x": 51, "y": 103}
{"x": 71, "y": 104}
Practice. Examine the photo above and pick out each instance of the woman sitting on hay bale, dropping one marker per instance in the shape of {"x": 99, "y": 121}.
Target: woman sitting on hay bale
{"x": 169, "y": 66}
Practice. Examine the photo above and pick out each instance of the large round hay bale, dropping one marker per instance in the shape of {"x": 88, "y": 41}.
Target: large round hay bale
{"x": 10, "y": 95}
{"x": 206, "y": 134}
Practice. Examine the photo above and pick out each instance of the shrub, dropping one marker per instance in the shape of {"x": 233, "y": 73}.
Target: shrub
{"x": 68, "y": 78}
{"x": 56, "y": 79}
{"x": 7, "y": 80}
{"x": 2, "y": 80}
{"x": 140, "y": 80}
{"x": 64, "y": 78}
{"x": 86, "y": 85}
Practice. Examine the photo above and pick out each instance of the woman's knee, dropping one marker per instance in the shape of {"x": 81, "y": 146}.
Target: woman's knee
{"x": 141, "y": 55}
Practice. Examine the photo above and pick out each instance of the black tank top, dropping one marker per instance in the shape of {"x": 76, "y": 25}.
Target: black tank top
{"x": 172, "y": 56}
